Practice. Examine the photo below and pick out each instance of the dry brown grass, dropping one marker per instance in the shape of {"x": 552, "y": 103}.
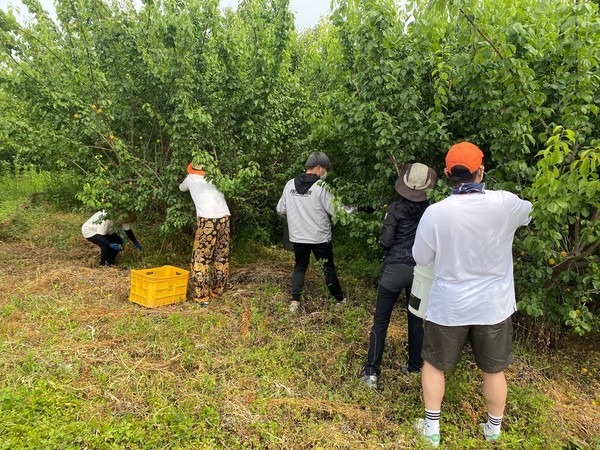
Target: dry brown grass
{"x": 28, "y": 268}
{"x": 122, "y": 374}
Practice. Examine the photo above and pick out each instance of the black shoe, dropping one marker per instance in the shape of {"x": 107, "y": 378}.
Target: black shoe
{"x": 405, "y": 370}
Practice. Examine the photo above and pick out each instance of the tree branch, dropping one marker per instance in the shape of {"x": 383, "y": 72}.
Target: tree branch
{"x": 499, "y": 53}
{"x": 488, "y": 40}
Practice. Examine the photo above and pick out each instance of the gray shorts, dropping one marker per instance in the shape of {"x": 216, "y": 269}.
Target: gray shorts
{"x": 491, "y": 345}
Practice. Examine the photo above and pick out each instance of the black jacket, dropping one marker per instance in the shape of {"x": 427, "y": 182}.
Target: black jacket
{"x": 399, "y": 229}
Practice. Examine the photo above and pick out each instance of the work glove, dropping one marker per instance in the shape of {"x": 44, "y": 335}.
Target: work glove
{"x": 137, "y": 245}
{"x": 115, "y": 247}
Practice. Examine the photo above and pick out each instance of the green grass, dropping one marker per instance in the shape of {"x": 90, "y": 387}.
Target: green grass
{"x": 17, "y": 190}
{"x": 81, "y": 367}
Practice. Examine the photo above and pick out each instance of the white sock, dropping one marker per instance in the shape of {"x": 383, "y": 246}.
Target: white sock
{"x": 493, "y": 424}
{"x": 433, "y": 421}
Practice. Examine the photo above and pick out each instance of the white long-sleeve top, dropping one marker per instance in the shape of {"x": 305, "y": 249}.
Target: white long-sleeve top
{"x": 98, "y": 225}
{"x": 467, "y": 240}
{"x": 209, "y": 202}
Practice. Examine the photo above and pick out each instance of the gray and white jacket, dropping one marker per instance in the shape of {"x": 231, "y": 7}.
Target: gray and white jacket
{"x": 307, "y": 205}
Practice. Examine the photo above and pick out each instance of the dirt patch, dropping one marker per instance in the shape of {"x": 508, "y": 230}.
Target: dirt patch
{"x": 260, "y": 273}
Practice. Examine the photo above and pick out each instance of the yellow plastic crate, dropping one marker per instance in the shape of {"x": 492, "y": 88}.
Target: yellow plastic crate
{"x": 158, "y": 286}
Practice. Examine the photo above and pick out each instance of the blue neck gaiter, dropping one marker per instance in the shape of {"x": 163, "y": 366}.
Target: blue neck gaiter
{"x": 469, "y": 188}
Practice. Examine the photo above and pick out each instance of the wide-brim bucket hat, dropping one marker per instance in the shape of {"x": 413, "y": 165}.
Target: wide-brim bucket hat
{"x": 414, "y": 180}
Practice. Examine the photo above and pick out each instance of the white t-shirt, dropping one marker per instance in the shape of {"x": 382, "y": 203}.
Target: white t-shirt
{"x": 467, "y": 240}
{"x": 97, "y": 225}
{"x": 210, "y": 203}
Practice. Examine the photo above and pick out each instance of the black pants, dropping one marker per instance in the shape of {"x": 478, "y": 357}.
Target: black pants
{"x": 398, "y": 277}
{"x": 323, "y": 253}
{"x": 107, "y": 254}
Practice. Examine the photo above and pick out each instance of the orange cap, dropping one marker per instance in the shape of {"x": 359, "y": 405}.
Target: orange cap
{"x": 464, "y": 154}
{"x": 193, "y": 171}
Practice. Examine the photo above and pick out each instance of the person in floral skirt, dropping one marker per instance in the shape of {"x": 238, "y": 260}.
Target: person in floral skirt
{"x": 211, "y": 242}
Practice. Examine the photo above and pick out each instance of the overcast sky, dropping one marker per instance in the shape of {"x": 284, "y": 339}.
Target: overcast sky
{"x": 307, "y": 12}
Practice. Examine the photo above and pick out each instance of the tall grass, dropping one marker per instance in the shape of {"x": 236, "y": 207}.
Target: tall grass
{"x": 16, "y": 189}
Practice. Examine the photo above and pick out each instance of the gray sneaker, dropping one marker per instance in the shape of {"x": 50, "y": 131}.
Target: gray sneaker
{"x": 370, "y": 381}
{"x": 340, "y": 303}
{"x": 294, "y": 306}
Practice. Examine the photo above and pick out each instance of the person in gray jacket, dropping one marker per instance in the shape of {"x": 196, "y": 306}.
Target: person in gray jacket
{"x": 308, "y": 205}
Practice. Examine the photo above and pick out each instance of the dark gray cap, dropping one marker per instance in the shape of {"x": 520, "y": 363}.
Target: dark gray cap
{"x": 317, "y": 159}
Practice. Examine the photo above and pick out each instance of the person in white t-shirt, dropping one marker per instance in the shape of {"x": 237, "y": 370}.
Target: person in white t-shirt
{"x": 211, "y": 241}
{"x": 106, "y": 234}
{"x": 467, "y": 240}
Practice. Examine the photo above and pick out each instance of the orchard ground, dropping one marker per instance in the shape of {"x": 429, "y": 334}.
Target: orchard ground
{"x": 82, "y": 367}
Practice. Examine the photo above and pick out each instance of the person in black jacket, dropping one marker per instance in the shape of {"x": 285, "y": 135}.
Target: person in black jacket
{"x": 397, "y": 238}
